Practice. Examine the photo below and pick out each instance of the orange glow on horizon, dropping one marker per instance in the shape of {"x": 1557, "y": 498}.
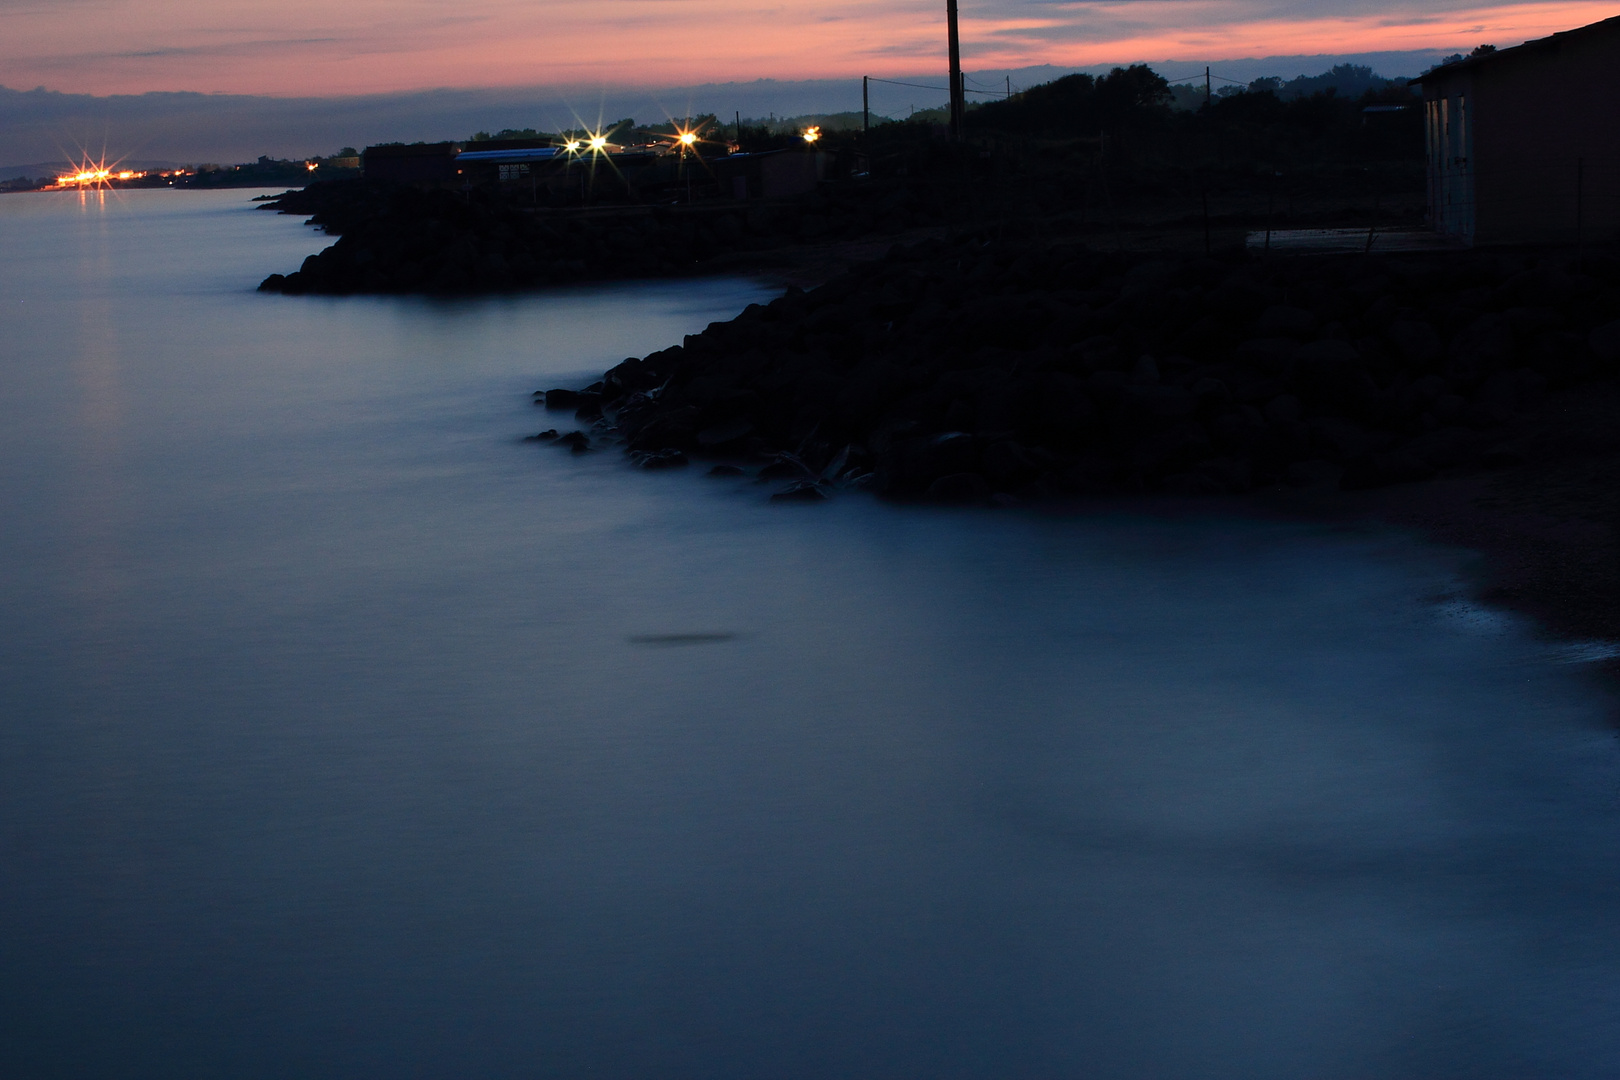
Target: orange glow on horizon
{"x": 90, "y": 173}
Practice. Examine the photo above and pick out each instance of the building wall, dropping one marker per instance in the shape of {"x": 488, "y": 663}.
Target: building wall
{"x": 433, "y": 163}
{"x": 1525, "y": 146}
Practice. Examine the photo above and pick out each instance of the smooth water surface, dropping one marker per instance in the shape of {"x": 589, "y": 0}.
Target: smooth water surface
{"x": 343, "y": 734}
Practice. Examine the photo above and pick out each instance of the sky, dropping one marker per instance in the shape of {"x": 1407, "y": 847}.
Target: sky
{"x": 323, "y": 48}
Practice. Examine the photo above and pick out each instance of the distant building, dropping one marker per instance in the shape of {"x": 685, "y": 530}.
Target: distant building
{"x": 771, "y": 174}
{"x": 1524, "y": 143}
{"x": 430, "y": 163}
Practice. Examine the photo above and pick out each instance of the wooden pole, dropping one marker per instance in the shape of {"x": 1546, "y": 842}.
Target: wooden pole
{"x": 1209, "y": 92}
{"x": 866, "y": 107}
{"x": 956, "y": 68}
{"x": 1271, "y": 207}
{"x": 1205, "y": 194}
{"x": 1580, "y": 206}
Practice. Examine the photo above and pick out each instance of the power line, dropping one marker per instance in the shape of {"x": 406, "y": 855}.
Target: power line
{"x": 918, "y": 86}
{"x": 1200, "y": 75}
{"x": 941, "y": 89}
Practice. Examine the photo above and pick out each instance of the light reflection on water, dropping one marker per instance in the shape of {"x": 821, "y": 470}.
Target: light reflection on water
{"x": 344, "y": 734}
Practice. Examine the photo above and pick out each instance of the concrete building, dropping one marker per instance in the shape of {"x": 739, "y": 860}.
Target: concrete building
{"x": 1524, "y": 143}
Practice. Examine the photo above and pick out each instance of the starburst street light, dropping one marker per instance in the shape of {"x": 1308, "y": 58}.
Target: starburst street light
{"x": 811, "y": 134}
{"x": 688, "y": 138}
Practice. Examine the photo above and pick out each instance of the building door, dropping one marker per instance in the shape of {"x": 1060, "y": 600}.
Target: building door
{"x": 1456, "y": 167}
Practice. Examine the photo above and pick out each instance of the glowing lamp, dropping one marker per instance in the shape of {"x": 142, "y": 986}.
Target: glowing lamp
{"x": 811, "y": 134}
{"x": 688, "y": 138}
{"x": 598, "y": 143}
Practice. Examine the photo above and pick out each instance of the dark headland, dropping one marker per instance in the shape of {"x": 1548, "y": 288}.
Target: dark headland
{"x": 1042, "y": 317}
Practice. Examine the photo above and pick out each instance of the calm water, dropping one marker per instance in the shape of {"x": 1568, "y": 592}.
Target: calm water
{"x": 337, "y": 740}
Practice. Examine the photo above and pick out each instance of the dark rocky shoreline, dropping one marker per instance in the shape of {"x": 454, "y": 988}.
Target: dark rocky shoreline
{"x": 985, "y": 370}
{"x": 974, "y": 369}
{"x": 392, "y": 238}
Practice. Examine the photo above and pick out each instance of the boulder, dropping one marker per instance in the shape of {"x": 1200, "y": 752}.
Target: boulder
{"x": 1272, "y": 355}
{"x": 1604, "y": 342}
{"x": 1381, "y": 470}
{"x": 1417, "y": 343}
{"x": 1283, "y": 321}
{"x": 1483, "y": 346}
{"x": 800, "y": 491}
{"x": 962, "y": 487}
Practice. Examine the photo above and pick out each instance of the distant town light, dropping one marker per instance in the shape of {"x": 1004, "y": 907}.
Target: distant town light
{"x": 811, "y": 134}
{"x": 312, "y": 165}
{"x": 688, "y": 138}
{"x": 598, "y": 143}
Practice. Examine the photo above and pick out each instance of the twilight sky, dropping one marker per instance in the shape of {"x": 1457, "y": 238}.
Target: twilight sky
{"x": 336, "y": 47}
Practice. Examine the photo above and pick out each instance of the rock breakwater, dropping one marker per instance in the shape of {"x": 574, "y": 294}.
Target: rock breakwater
{"x": 980, "y": 369}
{"x": 393, "y": 238}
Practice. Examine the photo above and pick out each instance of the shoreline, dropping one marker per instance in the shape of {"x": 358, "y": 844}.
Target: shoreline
{"x": 1547, "y": 528}
{"x": 1528, "y": 473}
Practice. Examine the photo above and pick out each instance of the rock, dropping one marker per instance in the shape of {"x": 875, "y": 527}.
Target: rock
{"x": 1283, "y": 409}
{"x": 663, "y": 459}
{"x": 1484, "y": 345}
{"x": 800, "y": 491}
{"x": 1381, "y": 470}
{"x": 1282, "y": 321}
{"x": 587, "y": 404}
{"x": 1007, "y": 467}
{"x": 913, "y": 464}
{"x": 561, "y": 399}
{"x": 962, "y": 487}
{"x": 1273, "y": 355}
{"x": 727, "y": 470}
{"x": 1505, "y": 456}
{"x": 785, "y": 467}
{"x": 1232, "y": 475}
{"x": 727, "y": 432}
{"x": 273, "y": 283}
{"x": 577, "y": 441}
{"x": 1605, "y": 342}
{"x": 1191, "y": 485}
{"x": 545, "y": 436}
{"x": 1341, "y": 440}
{"x": 1159, "y": 402}
{"x": 1212, "y": 394}
{"x": 1415, "y": 342}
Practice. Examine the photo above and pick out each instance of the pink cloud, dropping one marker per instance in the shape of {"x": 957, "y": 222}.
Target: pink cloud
{"x": 305, "y": 47}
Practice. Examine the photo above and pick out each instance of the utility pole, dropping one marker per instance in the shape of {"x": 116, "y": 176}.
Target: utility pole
{"x": 1580, "y": 207}
{"x": 956, "y": 69}
{"x": 1009, "y": 88}
{"x": 866, "y": 108}
{"x": 1209, "y": 94}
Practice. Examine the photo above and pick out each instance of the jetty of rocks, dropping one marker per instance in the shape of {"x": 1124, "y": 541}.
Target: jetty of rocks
{"x": 982, "y": 368}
